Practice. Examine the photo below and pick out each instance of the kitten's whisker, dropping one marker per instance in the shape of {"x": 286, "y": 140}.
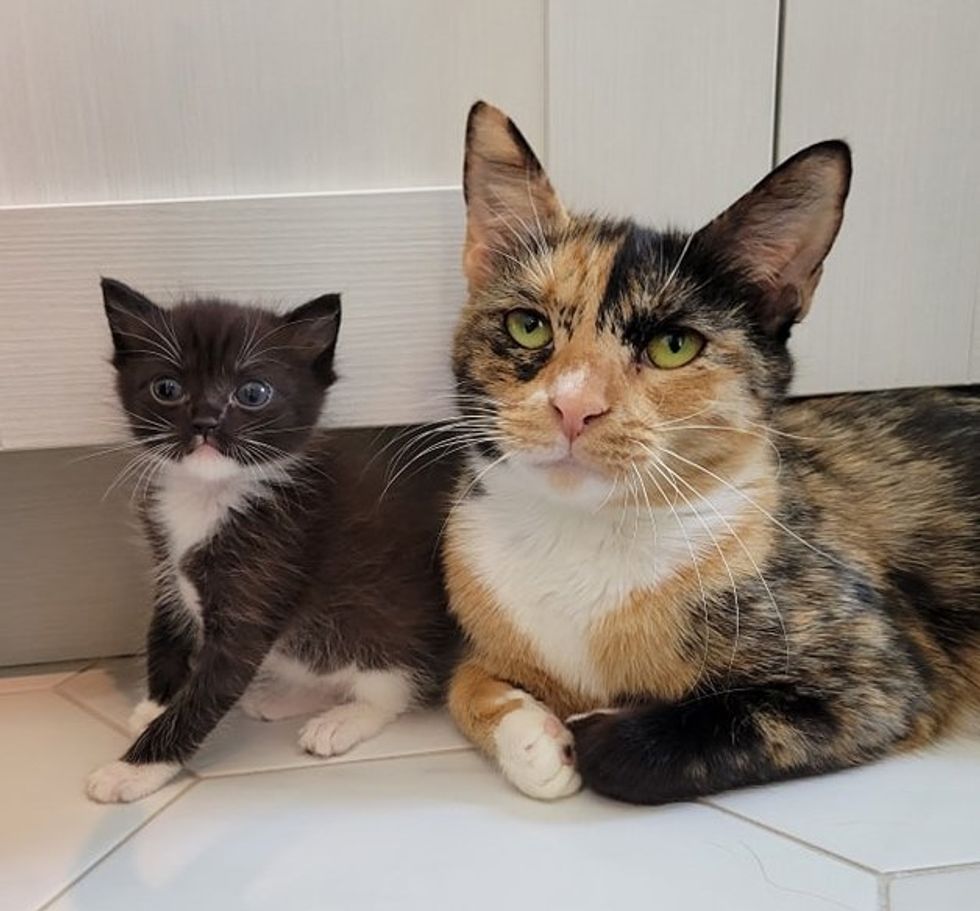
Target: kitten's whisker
{"x": 122, "y": 447}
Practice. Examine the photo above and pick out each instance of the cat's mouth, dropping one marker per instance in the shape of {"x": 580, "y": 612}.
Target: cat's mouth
{"x": 202, "y": 449}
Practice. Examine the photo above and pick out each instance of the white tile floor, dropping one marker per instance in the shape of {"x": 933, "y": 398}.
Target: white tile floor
{"x": 414, "y": 819}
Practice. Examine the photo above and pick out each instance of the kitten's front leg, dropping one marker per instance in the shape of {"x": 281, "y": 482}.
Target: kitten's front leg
{"x": 530, "y": 744}
{"x": 170, "y": 644}
{"x": 225, "y": 666}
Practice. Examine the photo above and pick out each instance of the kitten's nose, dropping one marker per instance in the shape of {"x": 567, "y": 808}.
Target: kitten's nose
{"x": 204, "y": 425}
{"x": 576, "y": 408}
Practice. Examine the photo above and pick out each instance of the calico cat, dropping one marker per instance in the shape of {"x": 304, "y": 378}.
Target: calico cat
{"x": 281, "y": 578}
{"x": 673, "y": 579}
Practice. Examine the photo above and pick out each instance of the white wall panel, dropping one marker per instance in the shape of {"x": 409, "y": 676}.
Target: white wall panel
{"x": 394, "y": 256}
{"x": 134, "y": 99}
{"x": 663, "y": 110}
{"x": 899, "y": 80}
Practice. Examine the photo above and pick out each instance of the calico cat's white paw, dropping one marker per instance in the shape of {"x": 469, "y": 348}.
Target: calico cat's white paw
{"x": 121, "y": 782}
{"x": 143, "y": 714}
{"x": 337, "y": 730}
{"x": 535, "y": 753}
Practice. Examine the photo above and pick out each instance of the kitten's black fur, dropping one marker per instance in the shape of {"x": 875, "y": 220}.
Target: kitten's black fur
{"x": 311, "y": 561}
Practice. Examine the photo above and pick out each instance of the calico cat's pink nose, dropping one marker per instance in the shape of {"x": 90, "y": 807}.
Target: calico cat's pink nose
{"x": 576, "y": 408}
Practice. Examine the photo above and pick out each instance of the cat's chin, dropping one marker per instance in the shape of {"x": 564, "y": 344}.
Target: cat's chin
{"x": 567, "y": 480}
{"x": 207, "y": 464}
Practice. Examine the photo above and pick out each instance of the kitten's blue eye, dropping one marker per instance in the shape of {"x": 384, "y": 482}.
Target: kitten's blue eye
{"x": 166, "y": 390}
{"x": 253, "y": 394}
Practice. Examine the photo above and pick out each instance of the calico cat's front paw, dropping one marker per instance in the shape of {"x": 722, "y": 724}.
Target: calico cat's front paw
{"x": 535, "y": 753}
{"x": 341, "y": 728}
{"x": 121, "y": 782}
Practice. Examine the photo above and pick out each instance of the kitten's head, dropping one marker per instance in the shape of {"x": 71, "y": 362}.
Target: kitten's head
{"x": 589, "y": 350}
{"x": 216, "y": 388}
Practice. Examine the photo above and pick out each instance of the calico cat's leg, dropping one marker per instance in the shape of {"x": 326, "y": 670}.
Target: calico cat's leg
{"x": 222, "y": 671}
{"x": 529, "y": 743}
{"x": 716, "y": 741}
{"x": 170, "y": 644}
{"x": 377, "y": 697}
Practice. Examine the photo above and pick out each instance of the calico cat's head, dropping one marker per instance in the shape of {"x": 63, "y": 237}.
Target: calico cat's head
{"x": 591, "y": 349}
{"x": 217, "y": 388}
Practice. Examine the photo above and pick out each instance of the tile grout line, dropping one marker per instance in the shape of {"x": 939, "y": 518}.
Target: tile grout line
{"x": 777, "y": 82}
{"x": 50, "y": 687}
{"x": 934, "y": 870}
{"x": 93, "y": 712}
{"x": 878, "y": 874}
{"x": 327, "y": 763}
{"x": 91, "y": 867}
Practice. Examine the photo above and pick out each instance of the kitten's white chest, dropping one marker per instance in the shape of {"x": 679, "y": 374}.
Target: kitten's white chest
{"x": 190, "y": 510}
{"x": 556, "y": 572}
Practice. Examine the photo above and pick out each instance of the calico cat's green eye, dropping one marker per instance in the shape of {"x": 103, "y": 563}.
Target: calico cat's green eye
{"x": 528, "y": 329}
{"x": 674, "y": 348}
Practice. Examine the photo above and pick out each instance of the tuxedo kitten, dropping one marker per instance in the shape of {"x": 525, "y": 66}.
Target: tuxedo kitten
{"x": 284, "y": 580}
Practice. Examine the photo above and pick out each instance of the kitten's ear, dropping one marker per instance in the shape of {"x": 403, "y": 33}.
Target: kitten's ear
{"x": 510, "y": 202}
{"x": 135, "y": 321}
{"x": 312, "y": 328}
{"x": 778, "y": 233}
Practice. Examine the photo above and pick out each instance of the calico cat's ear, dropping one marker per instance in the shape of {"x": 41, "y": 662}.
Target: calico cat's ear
{"x": 136, "y": 323}
{"x": 511, "y": 206}
{"x": 778, "y": 233}
{"x": 312, "y": 329}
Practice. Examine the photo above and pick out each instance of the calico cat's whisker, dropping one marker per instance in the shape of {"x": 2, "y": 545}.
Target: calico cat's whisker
{"x": 439, "y": 449}
{"x": 789, "y": 436}
{"x": 459, "y": 500}
{"x": 680, "y": 259}
{"x": 609, "y": 495}
{"x": 520, "y": 238}
{"x": 653, "y": 520}
{"x": 660, "y": 425}
{"x": 748, "y": 554}
{"x": 697, "y": 573}
{"x": 741, "y": 493}
{"x": 753, "y": 433}
{"x": 662, "y": 468}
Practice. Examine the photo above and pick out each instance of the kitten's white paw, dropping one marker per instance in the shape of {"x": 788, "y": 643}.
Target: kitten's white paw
{"x": 143, "y": 714}
{"x": 121, "y": 782}
{"x": 534, "y": 750}
{"x": 336, "y": 731}
{"x": 274, "y": 704}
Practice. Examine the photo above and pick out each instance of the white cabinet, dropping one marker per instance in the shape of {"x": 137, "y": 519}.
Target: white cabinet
{"x": 276, "y": 150}
{"x": 899, "y": 79}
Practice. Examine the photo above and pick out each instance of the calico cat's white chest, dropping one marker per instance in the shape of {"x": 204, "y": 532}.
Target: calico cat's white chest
{"x": 556, "y": 572}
